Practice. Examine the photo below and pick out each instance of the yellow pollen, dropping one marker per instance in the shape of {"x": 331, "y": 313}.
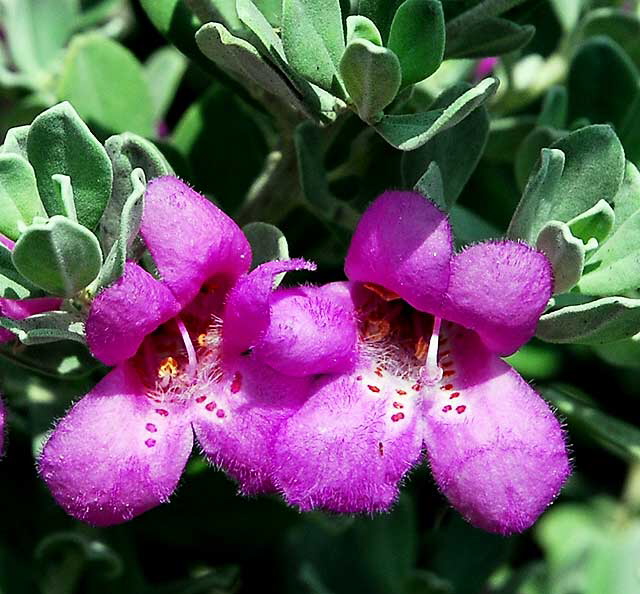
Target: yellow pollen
{"x": 168, "y": 367}
{"x": 202, "y": 340}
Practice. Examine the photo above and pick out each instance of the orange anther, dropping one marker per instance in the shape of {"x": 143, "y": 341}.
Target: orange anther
{"x": 168, "y": 367}
{"x": 377, "y": 329}
{"x": 382, "y": 292}
{"x": 422, "y": 346}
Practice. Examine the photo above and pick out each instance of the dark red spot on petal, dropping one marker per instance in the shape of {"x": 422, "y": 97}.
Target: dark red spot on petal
{"x": 447, "y": 408}
{"x": 210, "y": 406}
{"x": 460, "y": 409}
{"x": 374, "y": 388}
{"x": 398, "y": 405}
{"x": 416, "y": 387}
{"x": 359, "y": 378}
{"x": 397, "y": 417}
{"x": 447, "y": 387}
{"x": 236, "y": 383}
{"x": 401, "y": 392}
{"x": 454, "y": 395}
{"x": 201, "y": 399}
{"x": 378, "y": 372}
{"x": 150, "y": 442}
{"x": 150, "y": 427}
{"x": 162, "y": 412}
{"x": 381, "y": 448}
{"x": 220, "y": 414}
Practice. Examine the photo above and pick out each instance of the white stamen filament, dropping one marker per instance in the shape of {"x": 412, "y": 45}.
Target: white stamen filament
{"x": 192, "y": 364}
{"x": 432, "y": 372}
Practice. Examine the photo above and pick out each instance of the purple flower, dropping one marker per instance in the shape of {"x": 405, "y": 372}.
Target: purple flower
{"x": 484, "y": 68}
{"x": 18, "y": 309}
{"x": 428, "y": 374}
{"x": 187, "y": 356}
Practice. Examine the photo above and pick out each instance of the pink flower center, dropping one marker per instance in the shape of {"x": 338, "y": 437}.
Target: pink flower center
{"x": 400, "y": 339}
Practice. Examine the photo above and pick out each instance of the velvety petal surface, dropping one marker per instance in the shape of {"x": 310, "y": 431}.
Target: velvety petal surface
{"x": 127, "y": 311}
{"x": 351, "y": 444}
{"x": 309, "y": 333}
{"x": 496, "y": 450}
{"x": 499, "y": 290}
{"x": 191, "y": 240}
{"x": 18, "y": 309}
{"x": 248, "y": 308}
{"x": 116, "y": 453}
{"x": 403, "y": 243}
{"x": 237, "y": 414}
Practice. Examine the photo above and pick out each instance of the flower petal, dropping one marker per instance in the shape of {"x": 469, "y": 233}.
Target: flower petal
{"x": 499, "y": 290}
{"x": 127, "y": 311}
{"x": 247, "y": 310}
{"x": 237, "y": 415}
{"x": 6, "y": 242}
{"x": 191, "y": 240}
{"x": 403, "y": 243}
{"x": 350, "y": 445}
{"x": 116, "y": 453}
{"x": 18, "y": 309}
{"x": 309, "y": 333}
{"x": 496, "y": 450}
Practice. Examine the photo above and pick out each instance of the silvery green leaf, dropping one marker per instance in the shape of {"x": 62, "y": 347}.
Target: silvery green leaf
{"x": 410, "y": 131}
{"x": 457, "y": 151}
{"x": 240, "y": 58}
{"x": 554, "y": 108}
{"x": 127, "y": 152}
{"x": 596, "y": 322}
{"x": 371, "y": 76}
{"x": 527, "y": 154}
{"x": 360, "y": 27}
{"x": 163, "y": 71}
{"x": 15, "y": 141}
{"x": 129, "y": 221}
{"x": 431, "y": 185}
{"x": 313, "y": 40}
{"x": 46, "y": 327}
{"x": 572, "y": 176}
{"x": 417, "y": 37}
{"x": 594, "y": 223}
{"x": 12, "y": 284}
{"x": 60, "y": 256}
{"x": 565, "y": 252}
{"x": 19, "y": 198}
{"x": 59, "y": 142}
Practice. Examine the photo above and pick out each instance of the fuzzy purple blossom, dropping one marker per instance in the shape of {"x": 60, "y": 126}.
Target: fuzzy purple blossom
{"x": 18, "y": 309}
{"x": 186, "y": 347}
{"x": 432, "y": 325}
{"x": 484, "y": 68}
